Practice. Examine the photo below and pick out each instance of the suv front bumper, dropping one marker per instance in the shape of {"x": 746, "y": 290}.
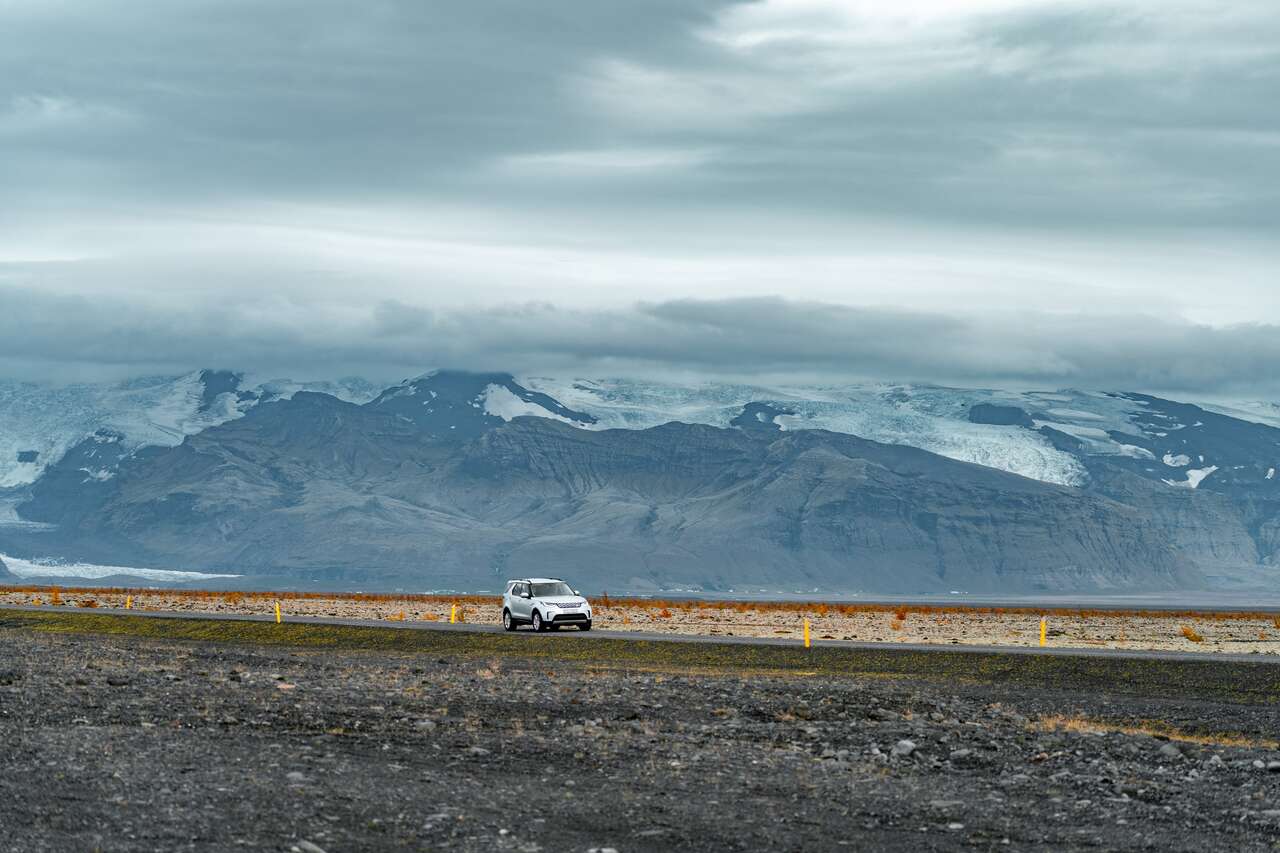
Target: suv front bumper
{"x": 568, "y": 617}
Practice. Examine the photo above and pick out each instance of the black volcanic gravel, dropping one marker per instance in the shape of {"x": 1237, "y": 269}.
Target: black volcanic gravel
{"x": 121, "y": 744}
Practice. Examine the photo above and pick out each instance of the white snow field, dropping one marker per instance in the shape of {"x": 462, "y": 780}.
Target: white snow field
{"x": 89, "y": 571}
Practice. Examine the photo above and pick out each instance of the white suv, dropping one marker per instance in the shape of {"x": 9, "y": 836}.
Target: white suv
{"x": 544, "y": 603}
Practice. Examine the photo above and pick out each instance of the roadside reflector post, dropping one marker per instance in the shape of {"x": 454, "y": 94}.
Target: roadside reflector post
{"x": 128, "y": 602}
{"x": 453, "y": 614}
{"x": 277, "y": 613}
{"x": 806, "y": 633}
{"x": 1044, "y": 629}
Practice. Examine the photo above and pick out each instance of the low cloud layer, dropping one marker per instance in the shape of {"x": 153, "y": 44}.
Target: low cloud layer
{"x": 70, "y": 337}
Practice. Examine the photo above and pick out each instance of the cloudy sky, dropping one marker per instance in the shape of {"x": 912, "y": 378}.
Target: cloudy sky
{"x": 1040, "y": 192}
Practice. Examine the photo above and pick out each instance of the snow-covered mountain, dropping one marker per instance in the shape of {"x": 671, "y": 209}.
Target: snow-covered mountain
{"x": 1051, "y": 440}
{"x": 40, "y": 422}
{"x": 1045, "y": 435}
{"x": 98, "y": 474}
{"x": 455, "y": 480}
{"x": 1052, "y": 436}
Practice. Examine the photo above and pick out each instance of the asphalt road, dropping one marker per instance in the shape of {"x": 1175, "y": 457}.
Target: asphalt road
{"x": 574, "y": 635}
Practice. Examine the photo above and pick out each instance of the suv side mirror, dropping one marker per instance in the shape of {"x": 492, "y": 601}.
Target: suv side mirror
{"x": 526, "y": 595}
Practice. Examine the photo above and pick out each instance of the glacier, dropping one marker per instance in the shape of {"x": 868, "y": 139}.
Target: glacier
{"x": 39, "y": 422}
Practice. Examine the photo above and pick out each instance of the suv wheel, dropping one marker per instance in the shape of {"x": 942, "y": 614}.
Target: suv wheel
{"x": 585, "y": 626}
{"x": 537, "y": 621}
{"x": 507, "y": 621}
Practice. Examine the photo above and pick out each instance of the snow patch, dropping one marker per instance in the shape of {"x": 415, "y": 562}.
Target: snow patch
{"x": 1076, "y": 431}
{"x": 1195, "y": 477}
{"x": 1180, "y": 461}
{"x": 53, "y": 568}
{"x": 1076, "y": 415}
{"x": 1271, "y": 474}
{"x": 501, "y": 402}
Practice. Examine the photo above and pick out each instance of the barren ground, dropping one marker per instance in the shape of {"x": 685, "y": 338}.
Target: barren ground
{"x": 118, "y": 738}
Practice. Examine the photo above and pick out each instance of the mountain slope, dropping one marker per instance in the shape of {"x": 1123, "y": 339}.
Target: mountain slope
{"x": 40, "y": 423}
{"x": 389, "y": 493}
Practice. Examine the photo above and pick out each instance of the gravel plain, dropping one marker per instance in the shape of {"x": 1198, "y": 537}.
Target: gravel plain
{"x": 131, "y": 744}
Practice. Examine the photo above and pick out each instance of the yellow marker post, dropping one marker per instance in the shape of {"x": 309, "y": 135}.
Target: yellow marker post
{"x": 453, "y": 614}
{"x": 806, "y": 633}
{"x": 128, "y": 602}
{"x": 1044, "y": 628}
{"x": 278, "y": 613}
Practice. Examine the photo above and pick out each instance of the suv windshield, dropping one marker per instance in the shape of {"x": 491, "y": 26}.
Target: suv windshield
{"x": 541, "y": 590}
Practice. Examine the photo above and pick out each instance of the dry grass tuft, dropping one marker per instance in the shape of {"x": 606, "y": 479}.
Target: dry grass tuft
{"x": 664, "y": 613}
{"x": 896, "y": 624}
{"x": 1153, "y": 728}
{"x": 1191, "y": 634}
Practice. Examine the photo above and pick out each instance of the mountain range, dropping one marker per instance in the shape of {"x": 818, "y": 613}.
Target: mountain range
{"x": 456, "y": 480}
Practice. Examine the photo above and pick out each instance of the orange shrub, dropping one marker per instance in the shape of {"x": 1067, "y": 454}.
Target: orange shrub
{"x": 1190, "y": 634}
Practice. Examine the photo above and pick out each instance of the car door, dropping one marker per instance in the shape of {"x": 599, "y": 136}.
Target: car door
{"x": 521, "y": 607}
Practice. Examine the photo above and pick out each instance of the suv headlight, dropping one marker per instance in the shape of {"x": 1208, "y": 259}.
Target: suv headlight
{"x": 548, "y": 605}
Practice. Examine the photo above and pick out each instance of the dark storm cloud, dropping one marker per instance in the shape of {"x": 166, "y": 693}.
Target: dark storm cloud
{"x": 1078, "y": 114}
{"x": 386, "y": 186}
{"x": 200, "y": 97}
{"x": 64, "y": 337}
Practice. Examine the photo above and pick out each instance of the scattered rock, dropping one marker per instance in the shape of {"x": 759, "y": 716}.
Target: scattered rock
{"x": 308, "y": 847}
{"x": 903, "y": 748}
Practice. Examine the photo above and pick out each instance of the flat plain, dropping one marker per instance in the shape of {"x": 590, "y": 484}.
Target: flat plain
{"x": 127, "y": 733}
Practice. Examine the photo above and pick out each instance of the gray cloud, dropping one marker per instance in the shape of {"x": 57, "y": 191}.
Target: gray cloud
{"x": 1070, "y": 113}
{"x": 68, "y": 337}
{"x": 386, "y": 186}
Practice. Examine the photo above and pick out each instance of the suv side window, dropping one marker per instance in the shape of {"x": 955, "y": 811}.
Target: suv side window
{"x": 521, "y": 589}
